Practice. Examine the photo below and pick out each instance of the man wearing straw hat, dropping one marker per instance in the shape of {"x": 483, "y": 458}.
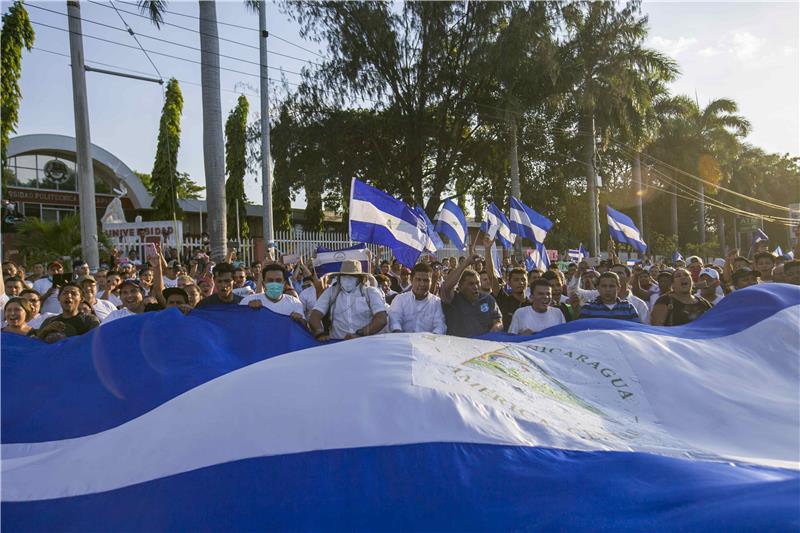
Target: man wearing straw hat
{"x": 352, "y": 307}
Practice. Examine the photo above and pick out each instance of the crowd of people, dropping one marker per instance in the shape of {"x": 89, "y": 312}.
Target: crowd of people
{"x": 464, "y": 296}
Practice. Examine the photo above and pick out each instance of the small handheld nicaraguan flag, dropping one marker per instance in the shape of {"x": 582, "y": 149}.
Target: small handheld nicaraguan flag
{"x": 527, "y": 223}
{"x": 537, "y": 258}
{"x": 328, "y": 260}
{"x": 576, "y": 254}
{"x": 452, "y": 222}
{"x": 676, "y": 257}
{"x": 497, "y": 226}
{"x": 623, "y": 230}
{"x": 778, "y": 252}
{"x": 759, "y": 236}
{"x": 436, "y": 241}
{"x": 378, "y": 218}
{"x": 583, "y": 251}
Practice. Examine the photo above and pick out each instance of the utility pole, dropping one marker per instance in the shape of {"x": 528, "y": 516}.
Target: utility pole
{"x": 266, "y": 159}
{"x": 514, "y": 157}
{"x": 83, "y": 149}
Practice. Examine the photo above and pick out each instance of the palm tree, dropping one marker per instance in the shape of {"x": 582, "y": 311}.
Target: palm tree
{"x": 213, "y": 145}
{"x": 610, "y": 70}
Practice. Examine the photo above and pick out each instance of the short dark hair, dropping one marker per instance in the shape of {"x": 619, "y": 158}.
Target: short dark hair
{"x": 551, "y": 275}
{"x": 223, "y": 268}
{"x": 24, "y": 304}
{"x": 535, "y": 270}
{"x": 14, "y": 278}
{"x": 70, "y": 284}
{"x": 762, "y": 255}
{"x": 239, "y": 267}
{"x": 425, "y": 268}
{"x": 380, "y": 278}
{"x": 518, "y": 271}
{"x": 113, "y": 273}
{"x": 274, "y": 267}
{"x": 30, "y": 291}
{"x": 254, "y": 263}
{"x": 467, "y": 273}
{"x": 145, "y": 269}
{"x": 169, "y": 291}
{"x": 541, "y": 282}
{"x": 608, "y": 275}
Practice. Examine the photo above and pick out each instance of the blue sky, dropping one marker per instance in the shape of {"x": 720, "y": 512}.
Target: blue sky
{"x": 744, "y": 51}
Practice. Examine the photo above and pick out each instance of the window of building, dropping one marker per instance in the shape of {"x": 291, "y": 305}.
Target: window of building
{"x": 56, "y": 213}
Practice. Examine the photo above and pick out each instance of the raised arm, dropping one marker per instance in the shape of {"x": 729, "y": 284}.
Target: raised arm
{"x": 449, "y": 284}
{"x": 158, "y": 276}
{"x": 487, "y": 254}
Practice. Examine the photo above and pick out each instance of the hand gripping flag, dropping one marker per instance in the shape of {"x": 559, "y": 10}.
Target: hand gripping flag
{"x": 328, "y": 260}
{"x": 536, "y": 258}
{"x": 435, "y": 240}
{"x": 623, "y": 230}
{"x": 527, "y": 223}
{"x": 378, "y": 218}
{"x": 239, "y": 420}
{"x": 497, "y": 226}
{"x": 452, "y": 223}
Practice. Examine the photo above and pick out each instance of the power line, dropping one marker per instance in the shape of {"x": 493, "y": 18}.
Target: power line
{"x": 130, "y": 31}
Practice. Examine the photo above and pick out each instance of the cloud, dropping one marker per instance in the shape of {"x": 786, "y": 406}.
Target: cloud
{"x": 708, "y": 51}
{"x": 743, "y": 44}
{"x": 673, "y": 47}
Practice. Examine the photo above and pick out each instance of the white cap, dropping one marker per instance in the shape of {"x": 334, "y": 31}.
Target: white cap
{"x": 710, "y": 272}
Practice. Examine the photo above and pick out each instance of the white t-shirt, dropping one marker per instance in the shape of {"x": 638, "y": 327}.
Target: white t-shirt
{"x": 243, "y": 291}
{"x": 103, "y": 308}
{"x": 351, "y": 311}
{"x": 409, "y": 315}
{"x": 36, "y": 322}
{"x": 119, "y": 313}
{"x": 113, "y": 298}
{"x": 308, "y": 297}
{"x": 50, "y": 305}
{"x": 528, "y": 318}
{"x": 717, "y": 299}
{"x": 285, "y": 306}
{"x": 169, "y": 282}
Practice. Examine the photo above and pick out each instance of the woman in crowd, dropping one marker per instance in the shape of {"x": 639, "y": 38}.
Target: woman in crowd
{"x": 16, "y": 313}
{"x": 680, "y": 306}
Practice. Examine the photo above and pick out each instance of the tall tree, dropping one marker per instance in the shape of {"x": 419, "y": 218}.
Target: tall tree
{"x": 610, "y": 67}
{"x": 213, "y": 145}
{"x": 236, "y": 167}
{"x": 164, "y": 177}
{"x": 17, "y": 33}
{"x": 185, "y": 187}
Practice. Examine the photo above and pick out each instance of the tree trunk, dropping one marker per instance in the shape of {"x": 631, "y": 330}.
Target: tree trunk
{"x": 213, "y": 145}
{"x": 637, "y": 177}
{"x": 513, "y": 157}
{"x": 674, "y": 210}
{"x": 591, "y": 178}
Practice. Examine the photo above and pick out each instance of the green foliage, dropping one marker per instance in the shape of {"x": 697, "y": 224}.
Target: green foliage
{"x": 187, "y": 189}
{"x": 17, "y": 33}
{"x": 663, "y": 245}
{"x": 42, "y": 241}
{"x": 236, "y": 167}
{"x": 164, "y": 184}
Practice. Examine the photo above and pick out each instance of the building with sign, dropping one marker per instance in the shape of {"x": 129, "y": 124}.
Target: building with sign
{"x": 41, "y": 181}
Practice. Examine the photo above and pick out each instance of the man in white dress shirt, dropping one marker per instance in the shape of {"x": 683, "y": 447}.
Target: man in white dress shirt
{"x": 418, "y": 309}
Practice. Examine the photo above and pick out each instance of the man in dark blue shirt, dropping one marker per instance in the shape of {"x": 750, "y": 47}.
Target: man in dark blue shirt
{"x": 608, "y": 304}
{"x": 468, "y": 311}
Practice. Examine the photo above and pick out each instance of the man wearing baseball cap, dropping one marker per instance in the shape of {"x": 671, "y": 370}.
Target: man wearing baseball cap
{"x": 131, "y": 293}
{"x": 745, "y": 277}
{"x": 709, "y": 287}
{"x": 102, "y": 308}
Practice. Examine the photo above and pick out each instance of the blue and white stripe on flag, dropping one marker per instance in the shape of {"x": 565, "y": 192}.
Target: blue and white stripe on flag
{"x": 498, "y": 263}
{"x": 759, "y": 235}
{"x": 328, "y": 260}
{"x": 497, "y": 226}
{"x": 536, "y": 258}
{"x": 452, "y": 223}
{"x": 677, "y": 257}
{"x": 623, "y": 230}
{"x": 435, "y": 240}
{"x": 574, "y": 254}
{"x": 527, "y": 223}
{"x": 378, "y": 218}
{"x": 778, "y": 251}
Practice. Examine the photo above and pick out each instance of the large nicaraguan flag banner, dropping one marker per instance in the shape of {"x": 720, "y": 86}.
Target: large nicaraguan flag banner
{"x": 238, "y": 421}
{"x": 378, "y": 218}
{"x": 328, "y": 260}
{"x": 623, "y": 230}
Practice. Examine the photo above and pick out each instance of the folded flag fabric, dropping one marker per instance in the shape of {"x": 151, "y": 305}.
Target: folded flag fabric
{"x": 435, "y": 240}
{"x": 496, "y": 226}
{"x": 536, "y": 258}
{"x": 594, "y": 425}
{"x": 623, "y": 230}
{"x": 453, "y": 224}
{"x": 778, "y": 252}
{"x": 677, "y": 257}
{"x": 328, "y": 260}
{"x": 378, "y": 218}
{"x": 527, "y": 223}
{"x": 759, "y": 235}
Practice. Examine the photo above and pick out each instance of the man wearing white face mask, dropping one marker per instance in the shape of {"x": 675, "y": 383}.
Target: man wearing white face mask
{"x": 275, "y": 276}
{"x": 354, "y": 309}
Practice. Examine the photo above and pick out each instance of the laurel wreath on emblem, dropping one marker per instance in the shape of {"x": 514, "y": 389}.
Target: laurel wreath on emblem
{"x": 56, "y": 170}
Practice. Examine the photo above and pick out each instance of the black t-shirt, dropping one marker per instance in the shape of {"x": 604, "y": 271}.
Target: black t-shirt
{"x": 470, "y": 320}
{"x": 679, "y": 313}
{"x": 74, "y": 325}
{"x": 508, "y": 304}
{"x": 214, "y": 299}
